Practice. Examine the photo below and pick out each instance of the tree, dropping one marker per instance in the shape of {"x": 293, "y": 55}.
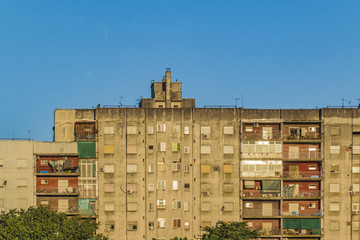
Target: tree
{"x": 230, "y": 231}
{"x": 43, "y": 223}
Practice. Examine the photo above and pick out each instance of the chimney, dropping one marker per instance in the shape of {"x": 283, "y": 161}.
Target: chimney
{"x": 167, "y": 93}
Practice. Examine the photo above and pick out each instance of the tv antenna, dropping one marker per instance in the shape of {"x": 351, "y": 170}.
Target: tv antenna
{"x": 236, "y": 100}
{"x": 120, "y": 100}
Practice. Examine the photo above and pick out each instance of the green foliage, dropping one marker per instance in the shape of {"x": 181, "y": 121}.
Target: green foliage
{"x": 230, "y": 231}
{"x": 176, "y": 238}
{"x": 43, "y": 223}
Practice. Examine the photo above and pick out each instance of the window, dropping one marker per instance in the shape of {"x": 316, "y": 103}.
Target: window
{"x": 109, "y": 188}
{"x": 88, "y": 168}
{"x": 44, "y": 181}
{"x": 186, "y": 150}
{"x": 205, "y": 168}
{"x": 248, "y": 129}
{"x": 161, "y": 204}
{"x": 356, "y": 169}
{"x": 334, "y": 207}
{"x": 228, "y": 188}
{"x": 205, "y": 130}
{"x": 108, "y": 130}
{"x": 176, "y": 127}
{"x": 150, "y": 130}
{"x": 229, "y": 130}
{"x": 356, "y": 188}
{"x": 43, "y": 162}
{"x": 109, "y": 207}
{"x": 186, "y": 130}
{"x": 334, "y": 168}
{"x": 151, "y": 187}
{"x": 187, "y": 226}
{"x": 187, "y": 187}
{"x": 44, "y": 202}
{"x": 334, "y": 187}
{"x": 334, "y": 149}
{"x": 176, "y": 204}
{"x": 228, "y": 168}
{"x": 162, "y": 147}
{"x": 151, "y": 207}
{"x": 205, "y": 150}
{"x": 21, "y": 182}
{"x": 150, "y": 149}
{"x": 131, "y": 206}
{"x": 131, "y": 130}
{"x": 161, "y": 184}
{"x": 151, "y": 168}
{"x": 335, "y": 131}
{"x": 176, "y": 146}
{"x": 228, "y": 150}
{"x": 312, "y": 167}
{"x": 161, "y": 222}
{"x": 109, "y": 168}
{"x": 356, "y": 150}
{"x": 131, "y": 149}
{"x": 131, "y": 187}
{"x": 131, "y": 168}
{"x": 312, "y": 205}
{"x": 312, "y": 129}
{"x": 228, "y": 207}
{"x": 161, "y": 167}
{"x": 176, "y": 223}
{"x": 175, "y": 185}
{"x": 176, "y": 167}
{"x": 205, "y": 207}
{"x": 151, "y": 225}
{"x": 21, "y": 163}
{"x": 131, "y": 226}
{"x": 160, "y": 127}
{"x": 186, "y": 206}
{"x": 108, "y": 149}
{"x": 187, "y": 168}
{"x": 109, "y": 226}
{"x": 312, "y": 186}
{"x": 249, "y": 205}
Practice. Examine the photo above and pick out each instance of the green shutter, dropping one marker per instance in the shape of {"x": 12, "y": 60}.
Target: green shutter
{"x": 302, "y": 223}
{"x": 87, "y": 149}
{"x": 271, "y": 185}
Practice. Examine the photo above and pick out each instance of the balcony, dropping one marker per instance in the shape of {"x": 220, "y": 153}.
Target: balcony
{"x": 253, "y": 194}
{"x": 258, "y": 135}
{"x": 69, "y": 191}
{"x": 304, "y": 213}
{"x": 301, "y": 232}
{"x": 269, "y": 233}
{"x": 289, "y": 192}
{"x": 301, "y": 155}
{"x": 302, "y": 175}
{"x": 310, "y": 137}
{"x": 85, "y": 136}
{"x": 69, "y": 211}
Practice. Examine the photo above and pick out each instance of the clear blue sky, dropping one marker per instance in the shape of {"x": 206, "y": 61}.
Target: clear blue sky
{"x": 76, "y": 54}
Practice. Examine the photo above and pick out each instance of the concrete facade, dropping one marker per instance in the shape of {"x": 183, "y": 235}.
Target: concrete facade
{"x": 167, "y": 168}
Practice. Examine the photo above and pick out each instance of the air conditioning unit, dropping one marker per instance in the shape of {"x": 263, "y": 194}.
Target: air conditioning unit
{"x": 256, "y": 125}
{"x": 355, "y": 212}
{"x": 206, "y": 193}
{"x": 101, "y": 169}
{"x": 352, "y": 193}
{"x": 206, "y": 136}
{"x": 129, "y": 191}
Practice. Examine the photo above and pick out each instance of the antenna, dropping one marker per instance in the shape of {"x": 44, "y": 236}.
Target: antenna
{"x": 342, "y": 102}
{"x": 29, "y": 134}
{"x": 120, "y": 100}
{"x": 236, "y": 100}
{"x": 242, "y": 101}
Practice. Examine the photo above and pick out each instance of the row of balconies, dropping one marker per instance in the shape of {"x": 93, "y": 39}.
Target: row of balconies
{"x": 253, "y": 194}
{"x": 278, "y": 135}
{"x": 57, "y": 191}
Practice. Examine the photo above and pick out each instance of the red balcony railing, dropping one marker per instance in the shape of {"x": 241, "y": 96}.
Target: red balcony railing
{"x": 290, "y": 193}
{"x": 260, "y": 193}
{"x": 57, "y": 191}
{"x": 302, "y": 154}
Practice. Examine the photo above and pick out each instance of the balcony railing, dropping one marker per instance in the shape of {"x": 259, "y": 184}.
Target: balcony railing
{"x": 57, "y": 191}
{"x": 290, "y": 193}
{"x": 256, "y": 135}
{"x": 302, "y": 154}
{"x": 87, "y": 212}
{"x": 309, "y": 136}
{"x": 304, "y": 213}
{"x": 260, "y": 193}
{"x": 302, "y": 174}
{"x": 85, "y": 136}
{"x": 69, "y": 210}
{"x": 302, "y": 231}
{"x": 271, "y": 232}
{"x": 256, "y": 212}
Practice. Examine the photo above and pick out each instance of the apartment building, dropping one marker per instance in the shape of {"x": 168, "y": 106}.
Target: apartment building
{"x": 167, "y": 168}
